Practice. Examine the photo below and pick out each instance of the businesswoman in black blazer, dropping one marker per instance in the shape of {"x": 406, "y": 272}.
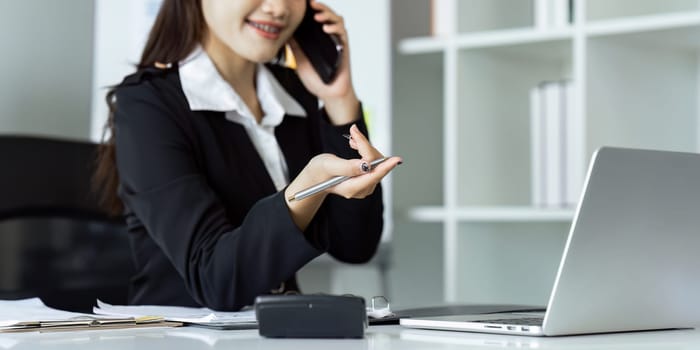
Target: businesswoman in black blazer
{"x": 207, "y": 141}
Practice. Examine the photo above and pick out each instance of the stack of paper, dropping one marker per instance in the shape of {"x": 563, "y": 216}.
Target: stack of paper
{"x": 202, "y": 317}
{"x": 32, "y": 315}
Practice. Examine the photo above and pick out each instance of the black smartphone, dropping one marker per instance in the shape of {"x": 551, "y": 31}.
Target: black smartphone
{"x": 323, "y": 50}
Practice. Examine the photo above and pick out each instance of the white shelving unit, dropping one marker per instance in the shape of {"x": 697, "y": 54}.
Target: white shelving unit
{"x": 635, "y": 69}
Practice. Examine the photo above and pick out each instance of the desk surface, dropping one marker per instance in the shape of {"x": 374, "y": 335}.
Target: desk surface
{"x": 377, "y": 337}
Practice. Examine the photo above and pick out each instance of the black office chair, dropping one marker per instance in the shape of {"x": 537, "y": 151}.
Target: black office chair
{"x": 55, "y": 242}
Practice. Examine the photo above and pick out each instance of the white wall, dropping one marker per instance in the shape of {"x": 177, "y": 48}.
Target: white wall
{"x": 46, "y": 67}
{"x": 121, "y": 29}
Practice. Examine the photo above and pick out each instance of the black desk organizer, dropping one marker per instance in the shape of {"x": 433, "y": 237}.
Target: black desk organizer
{"x": 311, "y": 316}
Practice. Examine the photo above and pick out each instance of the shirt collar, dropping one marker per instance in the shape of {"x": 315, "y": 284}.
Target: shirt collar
{"x": 206, "y": 89}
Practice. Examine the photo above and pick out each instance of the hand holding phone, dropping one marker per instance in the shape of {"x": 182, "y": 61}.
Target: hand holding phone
{"x": 324, "y": 51}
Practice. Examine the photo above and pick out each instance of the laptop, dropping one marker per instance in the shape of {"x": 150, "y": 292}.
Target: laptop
{"x": 632, "y": 258}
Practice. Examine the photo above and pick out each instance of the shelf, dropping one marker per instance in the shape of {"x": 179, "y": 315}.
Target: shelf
{"x": 606, "y": 9}
{"x": 492, "y": 214}
{"x": 498, "y": 38}
{"x": 421, "y": 45}
{"x": 521, "y": 36}
{"x": 643, "y": 24}
{"x": 511, "y": 37}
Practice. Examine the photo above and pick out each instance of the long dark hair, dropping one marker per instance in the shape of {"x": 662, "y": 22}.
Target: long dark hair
{"x": 178, "y": 28}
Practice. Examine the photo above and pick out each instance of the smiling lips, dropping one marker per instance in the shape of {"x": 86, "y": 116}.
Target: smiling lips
{"x": 266, "y": 30}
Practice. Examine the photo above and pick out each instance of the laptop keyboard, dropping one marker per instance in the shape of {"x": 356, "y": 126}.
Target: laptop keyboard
{"x": 525, "y": 321}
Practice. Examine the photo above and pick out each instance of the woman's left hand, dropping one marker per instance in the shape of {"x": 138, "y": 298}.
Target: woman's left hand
{"x": 339, "y": 96}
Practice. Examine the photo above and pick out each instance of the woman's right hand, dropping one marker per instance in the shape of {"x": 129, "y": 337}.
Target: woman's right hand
{"x": 322, "y": 167}
{"x": 363, "y": 181}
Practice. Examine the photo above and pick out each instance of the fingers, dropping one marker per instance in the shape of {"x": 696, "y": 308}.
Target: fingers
{"x": 351, "y": 141}
{"x": 364, "y": 179}
{"x": 335, "y": 166}
{"x": 362, "y": 186}
{"x": 384, "y": 168}
{"x": 325, "y": 14}
{"x": 333, "y": 23}
{"x": 359, "y": 142}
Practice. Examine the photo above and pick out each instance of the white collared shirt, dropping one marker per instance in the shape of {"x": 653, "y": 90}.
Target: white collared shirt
{"x": 206, "y": 89}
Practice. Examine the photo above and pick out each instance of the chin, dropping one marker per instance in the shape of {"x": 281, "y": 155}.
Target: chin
{"x": 262, "y": 57}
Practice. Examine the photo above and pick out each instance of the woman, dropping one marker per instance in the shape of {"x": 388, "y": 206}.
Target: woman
{"x": 204, "y": 141}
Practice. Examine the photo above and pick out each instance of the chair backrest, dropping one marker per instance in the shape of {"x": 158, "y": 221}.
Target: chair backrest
{"x": 55, "y": 242}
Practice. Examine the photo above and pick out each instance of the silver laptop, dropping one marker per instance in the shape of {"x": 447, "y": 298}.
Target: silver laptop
{"x": 632, "y": 258}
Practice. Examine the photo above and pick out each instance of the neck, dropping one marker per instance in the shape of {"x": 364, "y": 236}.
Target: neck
{"x": 237, "y": 71}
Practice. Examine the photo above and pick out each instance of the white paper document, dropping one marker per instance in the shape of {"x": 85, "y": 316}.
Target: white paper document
{"x": 190, "y": 315}
{"x": 30, "y": 315}
{"x": 17, "y": 312}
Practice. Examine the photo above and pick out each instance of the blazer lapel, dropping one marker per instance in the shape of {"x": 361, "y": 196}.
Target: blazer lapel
{"x": 293, "y": 138}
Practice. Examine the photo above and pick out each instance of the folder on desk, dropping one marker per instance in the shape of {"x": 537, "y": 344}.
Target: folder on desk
{"x": 29, "y": 315}
{"x": 191, "y": 316}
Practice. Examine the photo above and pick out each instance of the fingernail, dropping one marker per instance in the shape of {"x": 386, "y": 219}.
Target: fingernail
{"x": 365, "y": 167}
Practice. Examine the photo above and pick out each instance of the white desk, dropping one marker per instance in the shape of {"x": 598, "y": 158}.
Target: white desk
{"x": 377, "y": 337}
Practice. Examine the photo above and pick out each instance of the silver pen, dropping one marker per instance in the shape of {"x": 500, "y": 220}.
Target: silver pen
{"x": 329, "y": 183}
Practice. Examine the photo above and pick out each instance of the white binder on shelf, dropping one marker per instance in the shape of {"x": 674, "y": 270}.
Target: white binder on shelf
{"x": 553, "y": 141}
{"x": 541, "y": 9}
{"x": 442, "y": 17}
{"x": 575, "y": 162}
{"x": 560, "y": 13}
{"x": 556, "y": 143}
{"x": 551, "y": 14}
{"x": 537, "y": 162}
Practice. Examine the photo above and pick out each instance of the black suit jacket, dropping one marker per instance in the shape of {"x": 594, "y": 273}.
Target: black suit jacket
{"x": 207, "y": 226}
